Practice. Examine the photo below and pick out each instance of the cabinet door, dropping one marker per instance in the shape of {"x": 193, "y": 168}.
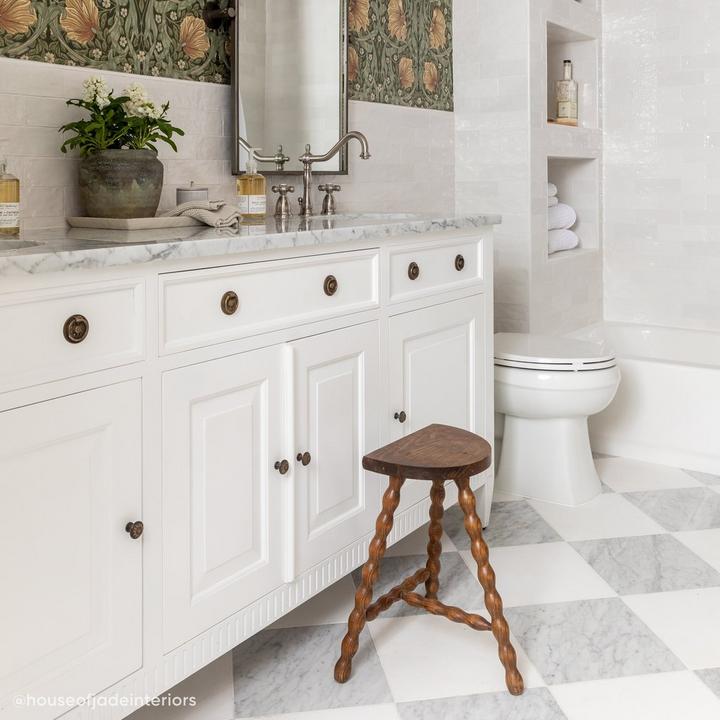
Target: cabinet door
{"x": 436, "y": 360}
{"x": 222, "y": 497}
{"x": 336, "y": 421}
{"x": 71, "y": 600}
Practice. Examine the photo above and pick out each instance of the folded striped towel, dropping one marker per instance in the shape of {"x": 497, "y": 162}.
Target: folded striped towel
{"x": 552, "y": 190}
{"x": 561, "y": 217}
{"x": 559, "y": 240}
{"x": 553, "y": 201}
{"x": 213, "y": 213}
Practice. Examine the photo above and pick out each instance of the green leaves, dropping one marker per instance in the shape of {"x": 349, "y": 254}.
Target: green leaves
{"x": 112, "y": 128}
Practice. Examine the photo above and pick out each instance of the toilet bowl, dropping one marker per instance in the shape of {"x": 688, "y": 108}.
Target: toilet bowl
{"x": 547, "y": 387}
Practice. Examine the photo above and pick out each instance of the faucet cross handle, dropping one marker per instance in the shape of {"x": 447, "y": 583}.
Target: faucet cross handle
{"x": 328, "y": 206}
{"x": 282, "y": 206}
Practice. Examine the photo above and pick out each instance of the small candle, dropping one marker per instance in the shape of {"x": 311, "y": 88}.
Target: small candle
{"x": 191, "y": 194}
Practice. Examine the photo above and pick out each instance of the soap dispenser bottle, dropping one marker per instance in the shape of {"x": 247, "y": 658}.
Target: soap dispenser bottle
{"x": 251, "y": 192}
{"x": 9, "y": 200}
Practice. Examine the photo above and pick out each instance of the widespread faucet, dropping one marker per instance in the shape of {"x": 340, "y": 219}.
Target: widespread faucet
{"x": 308, "y": 159}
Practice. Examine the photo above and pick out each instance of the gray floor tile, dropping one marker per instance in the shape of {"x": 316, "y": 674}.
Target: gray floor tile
{"x": 711, "y": 678}
{"x": 291, "y": 670}
{"x": 458, "y": 585}
{"x": 588, "y": 640}
{"x": 534, "y": 704}
{"x": 682, "y": 509}
{"x": 651, "y": 563}
{"x": 511, "y": 523}
{"x": 702, "y": 477}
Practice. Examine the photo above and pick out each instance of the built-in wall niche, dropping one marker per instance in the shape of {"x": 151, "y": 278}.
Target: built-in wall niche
{"x": 578, "y": 184}
{"x": 566, "y": 44}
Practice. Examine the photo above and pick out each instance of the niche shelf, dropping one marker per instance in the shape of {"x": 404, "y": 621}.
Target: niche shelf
{"x": 578, "y": 184}
{"x": 565, "y": 43}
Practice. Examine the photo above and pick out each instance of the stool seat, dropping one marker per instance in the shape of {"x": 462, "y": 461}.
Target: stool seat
{"x": 437, "y": 452}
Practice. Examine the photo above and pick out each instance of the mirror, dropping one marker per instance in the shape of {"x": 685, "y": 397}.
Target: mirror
{"x": 289, "y": 80}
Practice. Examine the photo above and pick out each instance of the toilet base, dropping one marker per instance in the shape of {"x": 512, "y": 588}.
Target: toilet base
{"x": 548, "y": 459}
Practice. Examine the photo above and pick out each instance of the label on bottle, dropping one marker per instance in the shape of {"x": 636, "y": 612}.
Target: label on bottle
{"x": 567, "y": 110}
{"x": 9, "y": 215}
{"x": 252, "y": 204}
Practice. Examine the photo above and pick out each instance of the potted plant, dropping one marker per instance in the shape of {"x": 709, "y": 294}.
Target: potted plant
{"x": 120, "y": 175}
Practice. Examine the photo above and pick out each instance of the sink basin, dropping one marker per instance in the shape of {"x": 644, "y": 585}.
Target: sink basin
{"x": 16, "y": 244}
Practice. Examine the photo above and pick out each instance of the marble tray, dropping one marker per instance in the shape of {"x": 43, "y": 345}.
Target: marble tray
{"x": 150, "y": 223}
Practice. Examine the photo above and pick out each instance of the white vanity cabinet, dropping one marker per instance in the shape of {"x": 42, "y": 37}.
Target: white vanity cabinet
{"x": 71, "y": 599}
{"x": 223, "y": 525}
{"x": 437, "y": 373}
{"x": 226, "y": 402}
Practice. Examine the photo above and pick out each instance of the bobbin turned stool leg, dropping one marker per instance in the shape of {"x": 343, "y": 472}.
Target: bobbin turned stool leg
{"x": 363, "y": 595}
{"x": 486, "y": 576}
{"x": 434, "y": 547}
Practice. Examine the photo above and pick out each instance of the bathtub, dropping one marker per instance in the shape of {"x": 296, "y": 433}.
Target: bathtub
{"x": 667, "y": 409}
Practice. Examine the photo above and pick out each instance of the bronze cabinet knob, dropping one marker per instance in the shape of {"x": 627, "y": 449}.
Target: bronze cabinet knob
{"x": 134, "y": 529}
{"x": 76, "y": 329}
{"x": 459, "y": 263}
{"x": 230, "y": 302}
{"x": 282, "y": 466}
{"x": 304, "y": 458}
{"x": 330, "y": 285}
{"x": 401, "y": 416}
{"x": 413, "y": 271}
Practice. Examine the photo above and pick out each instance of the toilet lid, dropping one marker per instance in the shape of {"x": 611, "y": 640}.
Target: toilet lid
{"x": 545, "y": 352}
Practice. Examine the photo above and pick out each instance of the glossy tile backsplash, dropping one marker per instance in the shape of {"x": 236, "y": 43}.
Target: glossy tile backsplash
{"x": 662, "y": 162}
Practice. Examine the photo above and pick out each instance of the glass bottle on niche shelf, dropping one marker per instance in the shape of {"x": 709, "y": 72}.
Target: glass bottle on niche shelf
{"x": 566, "y": 95}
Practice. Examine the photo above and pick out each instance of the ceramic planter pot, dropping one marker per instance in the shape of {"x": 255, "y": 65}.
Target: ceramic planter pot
{"x": 121, "y": 183}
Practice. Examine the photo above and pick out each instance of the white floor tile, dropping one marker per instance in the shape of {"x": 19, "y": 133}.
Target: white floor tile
{"x": 330, "y": 606}
{"x": 430, "y": 657}
{"x": 607, "y": 515}
{"x": 664, "y": 696}
{"x": 623, "y": 475}
{"x": 364, "y": 712}
{"x": 416, "y": 544}
{"x": 704, "y": 543}
{"x": 687, "y": 621}
{"x": 539, "y": 574}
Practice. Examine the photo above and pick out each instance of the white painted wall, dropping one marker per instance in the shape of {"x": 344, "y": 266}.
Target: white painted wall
{"x": 662, "y": 162}
{"x": 411, "y": 170}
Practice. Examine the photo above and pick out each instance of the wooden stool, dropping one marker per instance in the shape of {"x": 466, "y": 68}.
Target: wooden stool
{"x": 436, "y": 453}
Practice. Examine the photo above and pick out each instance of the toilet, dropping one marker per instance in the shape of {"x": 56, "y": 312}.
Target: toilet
{"x": 547, "y": 387}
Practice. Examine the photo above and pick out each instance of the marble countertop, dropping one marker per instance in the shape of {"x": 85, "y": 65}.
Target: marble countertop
{"x": 44, "y": 251}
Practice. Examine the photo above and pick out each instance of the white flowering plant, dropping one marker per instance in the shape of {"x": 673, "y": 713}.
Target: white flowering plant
{"x": 129, "y": 121}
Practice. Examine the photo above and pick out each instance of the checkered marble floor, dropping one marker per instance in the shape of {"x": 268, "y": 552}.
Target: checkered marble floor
{"x": 614, "y": 609}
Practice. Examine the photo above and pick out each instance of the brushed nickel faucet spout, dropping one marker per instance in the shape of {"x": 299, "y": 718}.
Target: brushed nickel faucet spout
{"x": 307, "y": 159}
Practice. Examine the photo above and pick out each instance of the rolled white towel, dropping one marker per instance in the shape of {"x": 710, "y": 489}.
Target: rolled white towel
{"x": 552, "y": 190}
{"x": 553, "y": 201}
{"x": 559, "y": 240}
{"x": 561, "y": 217}
{"x": 214, "y": 213}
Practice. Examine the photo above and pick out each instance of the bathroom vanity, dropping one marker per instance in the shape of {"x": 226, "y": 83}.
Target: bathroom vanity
{"x": 182, "y": 425}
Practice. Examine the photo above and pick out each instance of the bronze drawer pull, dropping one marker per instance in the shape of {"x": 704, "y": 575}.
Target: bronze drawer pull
{"x": 282, "y": 466}
{"x": 304, "y": 458}
{"x": 459, "y": 263}
{"x": 230, "y": 303}
{"x": 76, "y": 329}
{"x": 413, "y": 271}
{"x": 401, "y": 416}
{"x": 134, "y": 529}
{"x": 330, "y": 285}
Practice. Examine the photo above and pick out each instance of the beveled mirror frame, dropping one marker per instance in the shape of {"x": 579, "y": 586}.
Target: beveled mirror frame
{"x": 263, "y": 167}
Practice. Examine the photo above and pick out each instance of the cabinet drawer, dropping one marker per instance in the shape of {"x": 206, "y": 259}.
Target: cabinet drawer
{"x": 196, "y": 308}
{"x": 61, "y": 332}
{"x": 426, "y": 269}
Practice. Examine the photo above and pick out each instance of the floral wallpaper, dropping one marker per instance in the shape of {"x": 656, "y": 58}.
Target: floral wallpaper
{"x": 149, "y": 37}
{"x": 400, "y": 52}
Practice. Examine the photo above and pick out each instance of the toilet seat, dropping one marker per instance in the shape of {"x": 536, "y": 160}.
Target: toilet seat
{"x": 552, "y": 354}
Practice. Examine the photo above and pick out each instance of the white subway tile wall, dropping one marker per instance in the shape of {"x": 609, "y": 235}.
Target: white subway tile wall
{"x": 411, "y": 170}
{"x": 662, "y": 163}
